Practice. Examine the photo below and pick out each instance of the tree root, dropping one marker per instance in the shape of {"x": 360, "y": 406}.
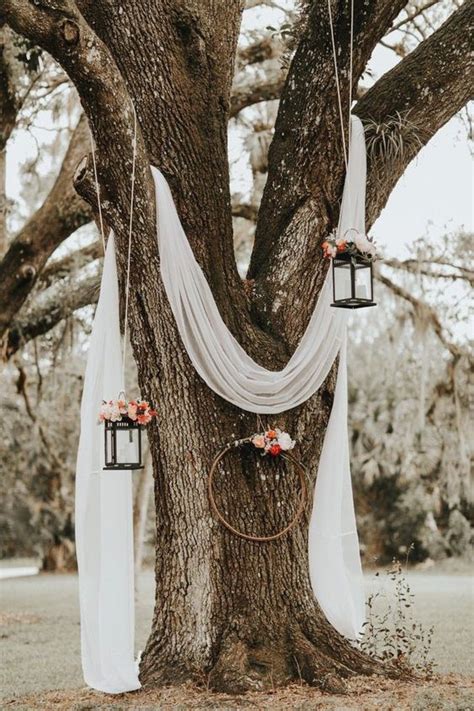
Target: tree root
{"x": 243, "y": 666}
{"x": 246, "y": 665}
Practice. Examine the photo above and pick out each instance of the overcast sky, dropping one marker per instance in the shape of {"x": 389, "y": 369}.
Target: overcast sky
{"x": 435, "y": 193}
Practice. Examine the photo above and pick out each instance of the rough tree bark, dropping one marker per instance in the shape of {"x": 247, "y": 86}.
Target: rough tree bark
{"x": 241, "y": 614}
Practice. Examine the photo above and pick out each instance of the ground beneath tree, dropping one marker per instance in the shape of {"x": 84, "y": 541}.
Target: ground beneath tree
{"x": 39, "y": 631}
{"x": 449, "y": 693}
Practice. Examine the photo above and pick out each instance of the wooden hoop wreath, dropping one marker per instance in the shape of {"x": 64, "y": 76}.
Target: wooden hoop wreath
{"x": 246, "y": 536}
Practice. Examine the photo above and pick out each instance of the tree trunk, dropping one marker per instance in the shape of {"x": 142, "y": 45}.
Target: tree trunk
{"x": 242, "y": 612}
{"x": 241, "y": 615}
{"x": 140, "y": 511}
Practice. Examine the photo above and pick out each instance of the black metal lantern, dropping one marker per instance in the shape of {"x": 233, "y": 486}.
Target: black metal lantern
{"x": 123, "y": 444}
{"x": 352, "y": 281}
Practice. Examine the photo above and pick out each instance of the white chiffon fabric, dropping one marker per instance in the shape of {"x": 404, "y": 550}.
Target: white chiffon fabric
{"x": 104, "y": 500}
{"x": 104, "y": 507}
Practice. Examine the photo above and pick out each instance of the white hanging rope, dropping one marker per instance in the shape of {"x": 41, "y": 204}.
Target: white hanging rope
{"x": 336, "y": 75}
{"x": 351, "y": 52}
{"x": 97, "y": 190}
{"x": 338, "y": 88}
{"x": 130, "y": 229}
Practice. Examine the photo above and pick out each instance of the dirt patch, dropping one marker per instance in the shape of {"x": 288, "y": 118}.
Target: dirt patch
{"x": 15, "y": 618}
{"x": 446, "y": 693}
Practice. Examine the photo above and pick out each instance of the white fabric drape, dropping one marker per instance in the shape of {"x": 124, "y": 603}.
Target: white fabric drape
{"x": 223, "y": 364}
{"x": 104, "y": 533}
{"x": 104, "y": 500}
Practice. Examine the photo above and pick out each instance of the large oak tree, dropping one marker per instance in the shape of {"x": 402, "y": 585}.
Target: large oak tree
{"x": 240, "y": 612}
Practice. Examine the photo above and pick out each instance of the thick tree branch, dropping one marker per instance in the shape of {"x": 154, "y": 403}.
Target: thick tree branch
{"x": 9, "y": 107}
{"x": 9, "y": 100}
{"x": 60, "y": 28}
{"x": 61, "y": 214}
{"x": 306, "y": 166}
{"x": 52, "y": 306}
{"x": 420, "y": 94}
{"x": 191, "y": 111}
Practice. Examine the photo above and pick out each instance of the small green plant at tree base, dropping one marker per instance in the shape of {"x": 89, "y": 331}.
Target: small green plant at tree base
{"x": 391, "y": 634}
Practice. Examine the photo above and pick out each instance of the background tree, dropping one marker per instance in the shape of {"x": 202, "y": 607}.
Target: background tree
{"x": 208, "y": 616}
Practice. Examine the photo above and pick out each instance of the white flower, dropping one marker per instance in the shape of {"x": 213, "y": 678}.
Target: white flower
{"x": 285, "y": 441}
{"x": 372, "y": 250}
{"x": 104, "y": 412}
{"x": 362, "y": 243}
{"x": 114, "y": 414}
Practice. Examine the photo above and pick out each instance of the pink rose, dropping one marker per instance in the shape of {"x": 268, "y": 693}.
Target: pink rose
{"x": 258, "y": 441}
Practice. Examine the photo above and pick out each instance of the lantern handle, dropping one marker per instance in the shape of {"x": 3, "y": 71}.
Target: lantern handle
{"x": 122, "y": 392}
{"x": 351, "y": 229}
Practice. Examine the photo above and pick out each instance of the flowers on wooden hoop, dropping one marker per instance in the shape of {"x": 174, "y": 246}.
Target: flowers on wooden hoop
{"x": 275, "y": 443}
{"x": 352, "y": 242}
{"x": 137, "y": 411}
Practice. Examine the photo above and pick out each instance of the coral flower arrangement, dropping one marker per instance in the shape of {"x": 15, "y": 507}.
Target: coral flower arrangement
{"x": 134, "y": 410}
{"x": 273, "y": 442}
{"x": 353, "y": 243}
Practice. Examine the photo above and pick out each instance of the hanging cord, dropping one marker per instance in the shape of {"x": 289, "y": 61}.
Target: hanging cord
{"x": 97, "y": 190}
{"x": 130, "y": 228}
{"x": 336, "y": 75}
{"x": 351, "y": 52}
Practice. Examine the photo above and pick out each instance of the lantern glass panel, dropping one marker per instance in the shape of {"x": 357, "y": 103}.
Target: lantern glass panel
{"x": 363, "y": 282}
{"x": 109, "y": 446}
{"x": 342, "y": 281}
{"x": 127, "y": 446}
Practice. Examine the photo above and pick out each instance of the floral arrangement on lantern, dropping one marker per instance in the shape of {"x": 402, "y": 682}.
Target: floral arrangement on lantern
{"x": 352, "y": 243}
{"x": 134, "y": 410}
{"x": 273, "y": 442}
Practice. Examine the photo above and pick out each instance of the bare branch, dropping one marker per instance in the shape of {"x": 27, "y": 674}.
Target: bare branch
{"x": 248, "y": 212}
{"x": 422, "y": 309}
{"x": 425, "y": 267}
{"x": 413, "y": 15}
{"x": 266, "y": 88}
{"x": 61, "y": 214}
{"x": 52, "y": 306}
{"x": 267, "y": 47}
{"x": 61, "y": 268}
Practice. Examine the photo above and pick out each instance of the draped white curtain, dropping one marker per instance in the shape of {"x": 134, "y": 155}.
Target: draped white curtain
{"x": 104, "y": 507}
{"x": 104, "y": 498}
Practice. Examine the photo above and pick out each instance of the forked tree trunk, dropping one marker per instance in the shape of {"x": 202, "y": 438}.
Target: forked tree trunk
{"x": 241, "y": 615}
{"x": 244, "y": 613}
